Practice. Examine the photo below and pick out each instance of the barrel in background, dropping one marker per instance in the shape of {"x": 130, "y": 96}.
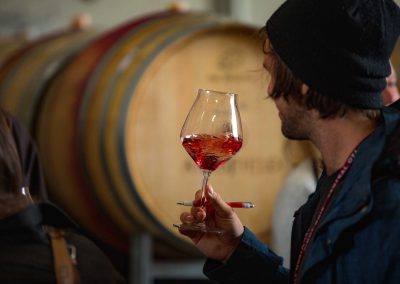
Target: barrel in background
{"x": 109, "y": 119}
{"x": 9, "y": 46}
{"x": 24, "y": 74}
{"x": 24, "y": 78}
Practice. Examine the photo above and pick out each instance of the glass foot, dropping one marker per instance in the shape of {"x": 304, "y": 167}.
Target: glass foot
{"x": 198, "y": 227}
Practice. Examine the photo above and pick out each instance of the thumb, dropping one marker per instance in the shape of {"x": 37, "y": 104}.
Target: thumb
{"x": 220, "y": 206}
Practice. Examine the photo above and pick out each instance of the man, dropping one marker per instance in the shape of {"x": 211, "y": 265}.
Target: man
{"x": 301, "y": 182}
{"x": 328, "y": 61}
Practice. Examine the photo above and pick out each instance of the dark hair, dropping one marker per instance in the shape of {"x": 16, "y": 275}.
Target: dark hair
{"x": 10, "y": 166}
{"x": 286, "y": 84}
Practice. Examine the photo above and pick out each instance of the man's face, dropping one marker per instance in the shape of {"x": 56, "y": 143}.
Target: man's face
{"x": 295, "y": 119}
{"x": 391, "y": 94}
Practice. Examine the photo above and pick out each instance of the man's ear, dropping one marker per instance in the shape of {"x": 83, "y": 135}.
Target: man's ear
{"x": 304, "y": 89}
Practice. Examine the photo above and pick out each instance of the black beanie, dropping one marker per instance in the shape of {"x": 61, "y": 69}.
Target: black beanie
{"x": 339, "y": 48}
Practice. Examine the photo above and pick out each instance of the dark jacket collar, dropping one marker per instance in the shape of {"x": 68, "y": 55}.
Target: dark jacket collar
{"x": 357, "y": 184}
{"x": 55, "y": 216}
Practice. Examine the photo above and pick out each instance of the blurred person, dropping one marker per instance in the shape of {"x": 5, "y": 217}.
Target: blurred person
{"x": 28, "y": 157}
{"x": 33, "y": 233}
{"x": 328, "y": 60}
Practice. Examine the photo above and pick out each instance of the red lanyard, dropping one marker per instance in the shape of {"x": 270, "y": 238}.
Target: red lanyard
{"x": 311, "y": 230}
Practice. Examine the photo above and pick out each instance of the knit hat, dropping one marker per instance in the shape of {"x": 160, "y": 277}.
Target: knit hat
{"x": 339, "y": 48}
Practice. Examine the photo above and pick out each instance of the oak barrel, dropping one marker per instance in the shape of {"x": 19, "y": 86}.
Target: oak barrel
{"x": 108, "y": 126}
{"x": 24, "y": 77}
{"x": 24, "y": 74}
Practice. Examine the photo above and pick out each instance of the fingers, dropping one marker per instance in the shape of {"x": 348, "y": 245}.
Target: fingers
{"x": 213, "y": 204}
{"x": 189, "y": 218}
{"x": 197, "y": 194}
{"x": 199, "y": 199}
{"x": 217, "y": 215}
{"x": 220, "y": 206}
{"x": 196, "y": 214}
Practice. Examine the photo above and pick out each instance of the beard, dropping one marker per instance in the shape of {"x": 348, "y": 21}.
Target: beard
{"x": 294, "y": 125}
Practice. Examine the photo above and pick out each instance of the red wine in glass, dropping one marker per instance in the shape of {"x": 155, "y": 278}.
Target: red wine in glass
{"x": 210, "y": 152}
{"x": 212, "y": 135}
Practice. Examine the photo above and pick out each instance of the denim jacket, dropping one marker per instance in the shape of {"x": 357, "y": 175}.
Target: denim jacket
{"x": 357, "y": 241}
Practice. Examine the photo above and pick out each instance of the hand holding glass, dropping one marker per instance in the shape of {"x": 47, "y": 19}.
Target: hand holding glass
{"x": 212, "y": 135}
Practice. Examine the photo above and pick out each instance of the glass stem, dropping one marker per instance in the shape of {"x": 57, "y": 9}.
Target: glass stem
{"x": 206, "y": 175}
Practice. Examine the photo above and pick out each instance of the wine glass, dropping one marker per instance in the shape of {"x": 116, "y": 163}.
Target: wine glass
{"x": 212, "y": 135}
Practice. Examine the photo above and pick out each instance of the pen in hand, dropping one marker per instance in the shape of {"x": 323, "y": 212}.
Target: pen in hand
{"x": 237, "y": 204}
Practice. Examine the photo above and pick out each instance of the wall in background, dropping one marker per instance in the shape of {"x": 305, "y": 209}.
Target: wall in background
{"x": 35, "y": 17}
{"x": 31, "y": 18}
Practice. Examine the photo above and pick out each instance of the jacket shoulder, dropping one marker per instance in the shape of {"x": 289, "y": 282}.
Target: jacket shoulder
{"x": 388, "y": 163}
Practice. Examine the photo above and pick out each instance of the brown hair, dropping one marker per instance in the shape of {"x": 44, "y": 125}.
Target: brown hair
{"x": 286, "y": 84}
{"x": 10, "y": 166}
